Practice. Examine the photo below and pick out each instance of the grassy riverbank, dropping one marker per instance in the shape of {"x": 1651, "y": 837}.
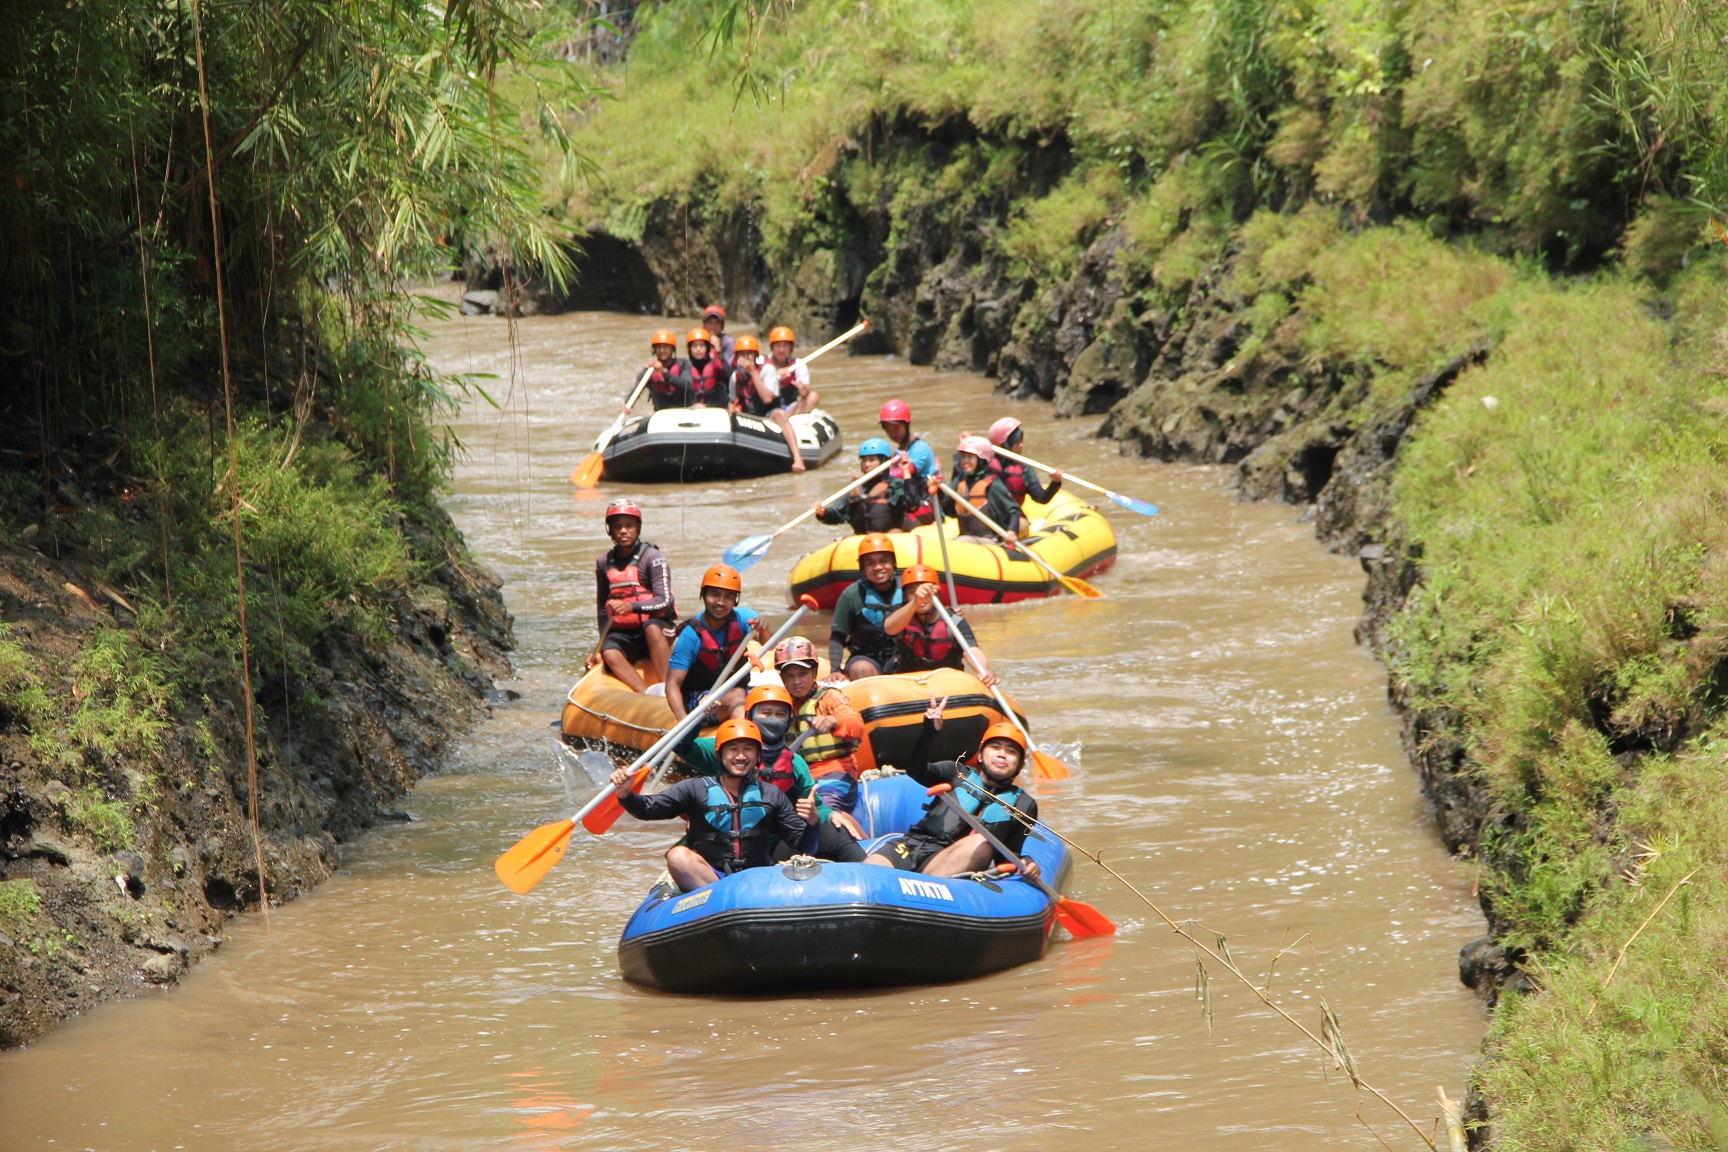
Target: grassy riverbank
{"x": 1452, "y": 271}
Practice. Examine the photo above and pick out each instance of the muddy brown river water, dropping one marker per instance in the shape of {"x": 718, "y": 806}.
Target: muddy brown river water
{"x": 1236, "y": 758}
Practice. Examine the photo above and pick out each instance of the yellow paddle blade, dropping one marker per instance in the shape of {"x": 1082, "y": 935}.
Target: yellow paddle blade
{"x": 587, "y": 473}
{"x": 1047, "y": 767}
{"x": 534, "y": 855}
{"x": 1080, "y": 588}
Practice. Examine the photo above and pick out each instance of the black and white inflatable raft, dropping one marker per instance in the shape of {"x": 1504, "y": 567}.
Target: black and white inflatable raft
{"x": 678, "y": 444}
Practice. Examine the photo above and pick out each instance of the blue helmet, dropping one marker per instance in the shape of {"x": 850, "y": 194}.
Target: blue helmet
{"x": 875, "y": 446}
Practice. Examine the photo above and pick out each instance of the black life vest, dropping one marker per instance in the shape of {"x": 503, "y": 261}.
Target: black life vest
{"x": 867, "y": 637}
{"x": 872, "y": 508}
{"x": 670, "y": 385}
{"x": 731, "y": 830}
{"x": 940, "y": 824}
{"x": 628, "y": 582}
{"x": 788, "y": 386}
{"x": 713, "y": 653}
{"x": 929, "y": 644}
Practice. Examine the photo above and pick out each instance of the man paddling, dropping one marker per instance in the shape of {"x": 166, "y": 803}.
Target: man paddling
{"x": 861, "y": 611}
{"x": 920, "y": 465}
{"x": 784, "y": 372}
{"x": 879, "y": 506}
{"x": 734, "y": 817}
{"x": 633, "y": 600}
{"x": 942, "y": 843}
{"x": 922, "y": 638}
{"x": 826, "y": 727}
{"x": 751, "y": 392}
{"x": 703, "y": 644}
{"x": 668, "y": 383}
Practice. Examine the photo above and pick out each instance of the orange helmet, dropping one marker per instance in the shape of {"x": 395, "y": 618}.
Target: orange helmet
{"x": 1001, "y": 730}
{"x": 722, "y": 576}
{"x": 664, "y": 337}
{"x": 766, "y": 692}
{"x": 696, "y": 334}
{"x": 747, "y": 344}
{"x": 775, "y": 335}
{"x": 874, "y": 542}
{"x": 919, "y": 574}
{"x": 731, "y": 730}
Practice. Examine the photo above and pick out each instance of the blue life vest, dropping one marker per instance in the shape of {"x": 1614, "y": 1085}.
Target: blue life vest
{"x": 867, "y": 637}
{"x": 996, "y": 811}
{"x": 735, "y": 825}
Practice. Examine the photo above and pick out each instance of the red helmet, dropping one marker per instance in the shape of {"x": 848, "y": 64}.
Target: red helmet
{"x": 723, "y": 576}
{"x": 793, "y": 650}
{"x": 1002, "y": 429}
{"x": 919, "y": 574}
{"x": 664, "y": 337}
{"x": 896, "y": 412}
{"x": 747, "y": 344}
{"x": 623, "y": 507}
{"x": 873, "y": 542}
{"x": 731, "y": 730}
{"x": 1002, "y": 730}
{"x": 775, "y": 335}
{"x": 765, "y": 692}
{"x": 713, "y": 310}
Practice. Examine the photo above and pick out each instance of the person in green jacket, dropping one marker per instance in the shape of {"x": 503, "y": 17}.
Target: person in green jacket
{"x": 769, "y": 707}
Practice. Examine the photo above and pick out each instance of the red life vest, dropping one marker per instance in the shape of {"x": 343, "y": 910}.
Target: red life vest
{"x": 707, "y": 381}
{"x": 629, "y": 583}
{"x": 714, "y": 650}
{"x": 931, "y": 644}
{"x": 1012, "y": 473}
{"x": 779, "y": 772}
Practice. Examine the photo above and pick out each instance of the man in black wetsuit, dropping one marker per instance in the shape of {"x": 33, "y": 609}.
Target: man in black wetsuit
{"x": 941, "y": 843}
{"x": 734, "y": 817}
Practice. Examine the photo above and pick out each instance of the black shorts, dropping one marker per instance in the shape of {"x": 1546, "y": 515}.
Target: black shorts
{"x": 633, "y": 642}
{"x": 909, "y": 854}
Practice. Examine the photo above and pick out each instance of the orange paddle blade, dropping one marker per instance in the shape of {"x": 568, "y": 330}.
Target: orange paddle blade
{"x": 1047, "y": 767}
{"x": 587, "y": 473}
{"x": 1080, "y": 588}
{"x": 606, "y": 814}
{"x": 534, "y": 855}
{"x": 1082, "y": 919}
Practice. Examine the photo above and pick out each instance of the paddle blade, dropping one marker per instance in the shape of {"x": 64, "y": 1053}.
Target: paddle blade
{"x": 587, "y": 473}
{"x": 1082, "y": 919}
{"x": 746, "y": 552}
{"x": 1080, "y": 588}
{"x": 1047, "y": 767}
{"x": 606, "y": 813}
{"x": 1134, "y": 505}
{"x": 534, "y": 855}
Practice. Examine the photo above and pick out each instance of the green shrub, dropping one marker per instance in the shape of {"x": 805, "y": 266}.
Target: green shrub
{"x": 19, "y": 903}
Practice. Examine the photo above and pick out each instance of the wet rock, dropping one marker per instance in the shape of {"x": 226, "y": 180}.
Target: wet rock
{"x": 1489, "y": 969}
{"x": 481, "y": 302}
{"x": 164, "y": 969}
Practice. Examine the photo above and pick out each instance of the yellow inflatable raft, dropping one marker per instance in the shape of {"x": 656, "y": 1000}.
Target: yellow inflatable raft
{"x": 600, "y": 708}
{"x": 1072, "y": 537}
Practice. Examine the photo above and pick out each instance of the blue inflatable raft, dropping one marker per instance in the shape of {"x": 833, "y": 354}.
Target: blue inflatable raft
{"x": 826, "y": 925}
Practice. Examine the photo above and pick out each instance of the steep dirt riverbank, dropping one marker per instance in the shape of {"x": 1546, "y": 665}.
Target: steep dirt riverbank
{"x": 124, "y": 838}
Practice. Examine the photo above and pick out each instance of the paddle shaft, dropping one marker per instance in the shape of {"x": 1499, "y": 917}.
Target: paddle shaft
{"x": 629, "y": 403}
{"x": 1001, "y": 531}
{"x": 1068, "y": 476}
{"x": 837, "y": 341}
{"x": 947, "y": 568}
{"x": 947, "y": 794}
{"x": 809, "y": 512}
{"x": 978, "y": 666}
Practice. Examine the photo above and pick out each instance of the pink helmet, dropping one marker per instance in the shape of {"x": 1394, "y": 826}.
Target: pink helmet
{"x": 795, "y": 650}
{"x": 1002, "y": 429}
{"x": 896, "y": 412}
{"x": 624, "y": 507}
{"x": 979, "y": 447}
